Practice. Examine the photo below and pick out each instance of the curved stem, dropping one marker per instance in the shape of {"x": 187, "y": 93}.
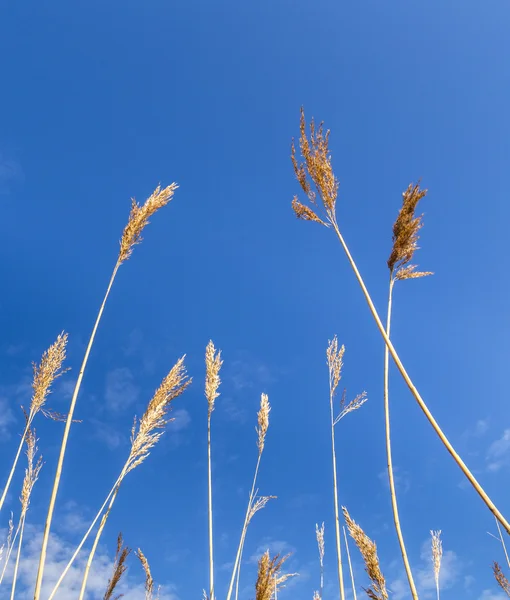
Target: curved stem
{"x": 84, "y": 539}
{"x": 350, "y": 565}
{"x": 18, "y": 554}
{"x": 481, "y": 492}
{"x": 391, "y": 477}
{"x": 15, "y": 463}
{"x": 9, "y": 550}
{"x": 210, "y": 513}
{"x": 335, "y": 493}
{"x": 60, "y": 464}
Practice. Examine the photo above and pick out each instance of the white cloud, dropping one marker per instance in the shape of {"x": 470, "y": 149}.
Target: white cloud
{"x": 498, "y": 454}
{"x": 274, "y": 546}
{"x": 491, "y": 595}
{"x": 402, "y": 480}
{"x": 107, "y": 434}
{"x": 180, "y": 420}
{"x": 121, "y": 391}
{"x": 6, "y": 420}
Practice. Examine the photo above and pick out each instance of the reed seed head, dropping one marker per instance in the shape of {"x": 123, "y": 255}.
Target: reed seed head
{"x": 503, "y": 582}
{"x": 263, "y": 421}
{"x": 31, "y": 472}
{"x": 47, "y": 371}
{"x": 147, "y": 432}
{"x": 139, "y": 219}
{"x": 149, "y": 581}
{"x": 368, "y": 550}
{"x": 352, "y": 406}
{"x": 213, "y": 364}
{"x": 259, "y": 504}
{"x": 405, "y": 235}
{"x": 437, "y": 554}
{"x": 270, "y": 577}
{"x": 317, "y": 170}
{"x": 335, "y": 363}
{"x": 319, "y": 534}
{"x": 119, "y": 568}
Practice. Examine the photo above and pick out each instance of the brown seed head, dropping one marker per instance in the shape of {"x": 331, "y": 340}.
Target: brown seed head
{"x": 149, "y": 582}
{"x": 437, "y": 553}
{"x": 503, "y": 582}
{"x": 269, "y": 577}
{"x": 368, "y": 550}
{"x": 213, "y": 364}
{"x": 47, "y": 371}
{"x": 149, "y": 429}
{"x": 139, "y": 219}
{"x": 317, "y": 170}
{"x": 119, "y": 568}
{"x": 405, "y": 235}
{"x": 263, "y": 420}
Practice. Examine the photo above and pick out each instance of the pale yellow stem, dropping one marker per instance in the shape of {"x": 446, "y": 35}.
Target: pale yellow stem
{"x": 350, "y": 565}
{"x": 391, "y": 477}
{"x": 18, "y": 554}
{"x": 335, "y": 493}
{"x": 210, "y": 510}
{"x": 16, "y": 459}
{"x": 60, "y": 464}
{"x": 9, "y": 549}
{"x": 503, "y": 544}
{"x": 481, "y": 492}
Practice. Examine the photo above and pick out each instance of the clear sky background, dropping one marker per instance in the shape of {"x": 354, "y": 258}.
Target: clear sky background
{"x": 100, "y": 101}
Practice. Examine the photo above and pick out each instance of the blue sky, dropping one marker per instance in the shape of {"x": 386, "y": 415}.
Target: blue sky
{"x": 103, "y": 100}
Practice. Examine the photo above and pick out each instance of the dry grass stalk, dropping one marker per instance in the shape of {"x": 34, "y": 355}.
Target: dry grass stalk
{"x": 270, "y": 578}
{"x": 253, "y": 507}
{"x": 501, "y": 539}
{"x": 437, "y": 555}
{"x": 143, "y": 439}
{"x": 368, "y": 550}
{"x": 138, "y": 219}
{"x": 317, "y": 170}
{"x": 149, "y": 581}
{"x": 351, "y": 571}
{"x": 119, "y": 568}
{"x": 503, "y": 582}
{"x": 319, "y": 534}
{"x": 45, "y": 373}
{"x": 213, "y": 364}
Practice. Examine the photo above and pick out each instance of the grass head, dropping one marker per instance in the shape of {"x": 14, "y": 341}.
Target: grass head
{"x": 503, "y": 582}
{"x": 213, "y": 364}
{"x": 315, "y": 174}
{"x": 31, "y": 472}
{"x": 270, "y": 577}
{"x": 405, "y": 236}
{"x": 149, "y": 581}
{"x": 139, "y": 219}
{"x": 263, "y": 422}
{"x": 335, "y": 361}
{"x": 368, "y": 550}
{"x": 437, "y": 553}
{"x": 119, "y": 568}
{"x": 319, "y": 534}
{"x": 45, "y": 373}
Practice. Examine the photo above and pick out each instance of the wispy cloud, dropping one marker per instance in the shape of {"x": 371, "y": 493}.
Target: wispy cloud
{"x": 107, "y": 434}
{"x": 498, "y": 454}
{"x": 120, "y": 390}
{"x": 491, "y": 595}
{"x": 402, "y": 480}
{"x": 7, "y": 419}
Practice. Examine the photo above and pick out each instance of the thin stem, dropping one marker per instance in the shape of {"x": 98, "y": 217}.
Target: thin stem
{"x": 18, "y": 554}
{"x": 335, "y": 492}
{"x": 60, "y": 464}
{"x": 210, "y": 513}
{"x": 84, "y": 539}
{"x": 9, "y": 550}
{"x": 481, "y": 492}
{"x": 239, "y": 556}
{"x": 350, "y": 565}
{"x": 503, "y": 543}
{"x": 391, "y": 477}
{"x": 16, "y": 459}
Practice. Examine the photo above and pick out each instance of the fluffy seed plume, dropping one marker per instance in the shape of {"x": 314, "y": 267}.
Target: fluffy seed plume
{"x": 368, "y": 550}
{"x": 317, "y": 170}
{"x": 503, "y": 582}
{"x": 31, "y": 472}
{"x": 213, "y": 364}
{"x": 47, "y": 371}
{"x": 319, "y": 534}
{"x": 263, "y": 421}
{"x": 149, "y": 429}
{"x": 405, "y": 236}
{"x": 437, "y": 555}
{"x": 119, "y": 568}
{"x": 335, "y": 363}
{"x": 139, "y": 219}
{"x": 259, "y": 504}
{"x": 270, "y": 577}
{"x": 149, "y": 581}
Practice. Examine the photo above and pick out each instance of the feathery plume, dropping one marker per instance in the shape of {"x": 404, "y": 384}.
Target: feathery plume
{"x": 119, "y": 568}
{"x": 503, "y": 582}
{"x": 335, "y": 363}
{"x": 149, "y": 581}
{"x": 31, "y": 472}
{"x": 368, "y": 550}
{"x": 319, "y": 534}
{"x": 263, "y": 421}
{"x": 437, "y": 555}
{"x": 269, "y": 577}
{"x": 47, "y": 371}
{"x": 259, "y": 504}
{"x": 213, "y": 364}
{"x": 139, "y": 219}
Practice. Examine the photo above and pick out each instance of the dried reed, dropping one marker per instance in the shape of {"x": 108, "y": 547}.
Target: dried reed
{"x": 368, "y": 550}
{"x": 317, "y": 170}
{"x": 334, "y": 356}
{"x": 263, "y": 426}
{"x": 437, "y": 555}
{"x": 319, "y": 534}
{"x": 213, "y": 364}
{"x": 503, "y": 582}
{"x": 119, "y": 568}
{"x": 270, "y": 577}
{"x": 350, "y": 565}
{"x": 149, "y": 581}
{"x": 132, "y": 235}
{"x": 45, "y": 373}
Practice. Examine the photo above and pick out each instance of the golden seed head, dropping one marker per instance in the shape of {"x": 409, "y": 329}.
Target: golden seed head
{"x": 317, "y": 170}
{"x": 263, "y": 421}
{"x": 503, "y": 582}
{"x": 405, "y": 235}
{"x": 119, "y": 568}
{"x": 139, "y": 219}
{"x": 31, "y": 472}
{"x": 335, "y": 363}
{"x": 368, "y": 550}
{"x": 437, "y": 553}
{"x": 149, "y": 581}
{"x": 319, "y": 533}
{"x": 270, "y": 577}
{"x": 47, "y": 371}
{"x": 213, "y": 364}
{"x": 147, "y": 432}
